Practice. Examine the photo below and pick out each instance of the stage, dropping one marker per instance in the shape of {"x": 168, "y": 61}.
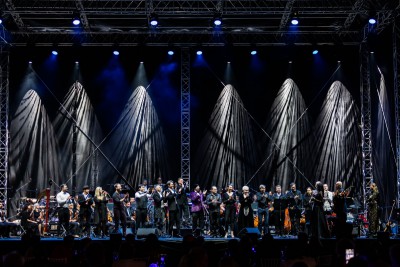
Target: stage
{"x": 70, "y": 251}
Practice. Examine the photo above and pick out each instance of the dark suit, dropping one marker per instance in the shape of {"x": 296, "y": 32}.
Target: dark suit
{"x": 173, "y": 209}
{"x": 158, "y": 210}
{"x": 85, "y": 211}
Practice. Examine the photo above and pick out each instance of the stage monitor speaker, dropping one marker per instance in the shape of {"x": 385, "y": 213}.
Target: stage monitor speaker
{"x": 144, "y": 232}
{"x": 251, "y": 231}
{"x": 116, "y": 237}
{"x": 383, "y": 236}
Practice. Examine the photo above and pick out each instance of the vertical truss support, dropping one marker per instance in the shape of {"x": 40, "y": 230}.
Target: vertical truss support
{"x": 75, "y": 131}
{"x": 396, "y": 86}
{"x": 4, "y": 131}
{"x": 185, "y": 115}
{"x": 366, "y": 135}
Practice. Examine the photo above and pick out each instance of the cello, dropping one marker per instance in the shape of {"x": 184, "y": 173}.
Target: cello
{"x": 287, "y": 225}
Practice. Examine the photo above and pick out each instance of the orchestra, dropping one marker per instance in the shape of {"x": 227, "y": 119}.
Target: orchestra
{"x": 217, "y": 213}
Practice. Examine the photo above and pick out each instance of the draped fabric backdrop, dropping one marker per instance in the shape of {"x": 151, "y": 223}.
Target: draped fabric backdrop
{"x": 34, "y": 153}
{"x": 288, "y": 141}
{"x": 227, "y": 153}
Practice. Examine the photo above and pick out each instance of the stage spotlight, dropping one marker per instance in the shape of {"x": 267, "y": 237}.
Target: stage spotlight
{"x": 253, "y": 52}
{"x": 116, "y": 52}
{"x": 76, "y": 19}
{"x": 76, "y": 62}
{"x": 372, "y": 21}
{"x": 217, "y": 20}
{"x": 170, "y": 52}
{"x": 153, "y": 20}
{"x": 315, "y": 51}
{"x": 54, "y": 52}
{"x": 30, "y": 62}
{"x": 295, "y": 19}
{"x": 199, "y": 52}
{"x": 1, "y": 16}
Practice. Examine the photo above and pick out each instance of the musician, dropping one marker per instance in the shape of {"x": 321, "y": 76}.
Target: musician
{"x": 63, "y": 200}
{"x": 27, "y": 221}
{"x": 263, "y": 200}
{"x": 197, "y": 209}
{"x": 214, "y": 201}
{"x": 294, "y": 200}
{"x": 119, "y": 208}
{"x": 141, "y": 199}
{"x": 328, "y": 200}
{"x": 158, "y": 207}
{"x": 307, "y": 205}
{"x": 85, "y": 201}
{"x": 160, "y": 183}
{"x": 319, "y": 226}
{"x": 229, "y": 200}
{"x": 38, "y": 217}
{"x": 170, "y": 195}
{"x": 340, "y": 208}
{"x": 373, "y": 207}
{"x": 101, "y": 198}
{"x": 73, "y": 220}
{"x": 182, "y": 191}
{"x": 5, "y": 225}
{"x": 279, "y": 204}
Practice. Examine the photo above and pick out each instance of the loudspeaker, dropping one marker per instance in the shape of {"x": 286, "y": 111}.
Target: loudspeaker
{"x": 252, "y": 232}
{"x": 116, "y": 237}
{"x": 144, "y": 232}
{"x": 383, "y": 236}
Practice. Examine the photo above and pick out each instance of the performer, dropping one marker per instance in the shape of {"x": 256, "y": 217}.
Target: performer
{"x": 85, "y": 201}
{"x": 73, "y": 220}
{"x": 229, "y": 200}
{"x": 328, "y": 200}
{"x": 170, "y": 196}
{"x": 373, "y": 207}
{"x": 27, "y": 221}
{"x": 214, "y": 201}
{"x": 101, "y": 198}
{"x": 197, "y": 208}
{"x": 38, "y": 217}
{"x": 158, "y": 207}
{"x": 141, "y": 200}
{"x": 182, "y": 200}
{"x": 340, "y": 208}
{"x": 319, "y": 227}
{"x": 294, "y": 199}
{"x": 263, "y": 201}
{"x": 279, "y": 204}
{"x": 246, "y": 218}
{"x": 307, "y": 205}
{"x": 5, "y": 225}
{"x": 63, "y": 199}
{"x": 119, "y": 208}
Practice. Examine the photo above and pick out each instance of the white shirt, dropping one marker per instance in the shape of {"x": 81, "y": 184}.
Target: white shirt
{"x": 62, "y": 199}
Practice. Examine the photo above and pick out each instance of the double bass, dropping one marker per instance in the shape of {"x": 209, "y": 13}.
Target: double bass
{"x": 287, "y": 225}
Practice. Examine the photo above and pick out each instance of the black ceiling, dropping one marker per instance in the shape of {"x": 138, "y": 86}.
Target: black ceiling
{"x": 245, "y": 22}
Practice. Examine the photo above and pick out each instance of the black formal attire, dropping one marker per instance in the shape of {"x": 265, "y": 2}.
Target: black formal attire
{"x": 101, "y": 214}
{"x": 63, "y": 211}
{"x": 85, "y": 212}
{"x": 181, "y": 199}
{"x": 245, "y": 218}
{"x": 263, "y": 212}
{"x": 319, "y": 226}
{"x": 307, "y": 205}
{"x": 30, "y": 227}
{"x": 130, "y": 214}
{"x": 373, "y": 205}
{"x": 340, "y": 209}
{"x": 173, "y": 210}
{"x": 158, "y": 210}
{"x": 279, "y": 205}
{"x": 5, "y": 226}
{"x": 230, "y": 210}
{"x": 294, "y": 199}
{"x": 141, "y": 209}
{"x": 119, "y": 211}
{"x": 214, "y": 202}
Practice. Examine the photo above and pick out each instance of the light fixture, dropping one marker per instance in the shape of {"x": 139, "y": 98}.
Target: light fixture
{"x": 54, "y": 52}
{"x": 170, "y": 52}
{"x": 199, "y": 52}
{"x": 217, "y": 19}
{"x": 115, "y": 49}
{"x": 315, "y": 51}
{"x": 76, "y": 20}
{"x": 153, "y": 20}
{"x": 372, "y": 21}
{"x": 295, "y": 19}
{"x": 253, "y": 52}
{"x": 116, "y": 52}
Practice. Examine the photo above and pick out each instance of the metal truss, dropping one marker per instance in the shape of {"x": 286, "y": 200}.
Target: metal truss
{"x": 396, "y": 86}
{"x": 4, "y": 129}
{"x": 185, "y": 115}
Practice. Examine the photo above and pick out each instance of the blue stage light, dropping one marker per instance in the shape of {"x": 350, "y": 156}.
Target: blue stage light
{"x": 199, "y": 52}
{"x": 315, "y": 51}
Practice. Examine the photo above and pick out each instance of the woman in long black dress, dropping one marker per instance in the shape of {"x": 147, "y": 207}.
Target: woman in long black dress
{"x": 229, "y": 200}
{"x": 319, "y": 226}
{"x": 100, "y": 210}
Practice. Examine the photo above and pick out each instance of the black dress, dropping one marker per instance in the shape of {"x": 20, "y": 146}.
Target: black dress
{"x": 101, "y": 213}
{"x": 319, "y": 226}
{"x": 246, "y": 218}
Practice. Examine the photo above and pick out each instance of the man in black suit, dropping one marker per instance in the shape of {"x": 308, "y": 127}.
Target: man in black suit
{"x": 85, "y": 201}
{"x": 173, "y": 209}
{"x": 158, "y": 207}
{"x": 182, "y": 190}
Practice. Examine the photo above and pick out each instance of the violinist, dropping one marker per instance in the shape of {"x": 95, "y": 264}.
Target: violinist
{"x": 213, "y": 201}
{"x": 85, "y": 201}
{"x": 63, "y": 200}
{"x": 101, "y": 198}
{"x": 229, "y": 200}
{"x": 263, "y": 201}
{"x": 294, "y": 199}
{"x": 246, "y": 218}
{"x": 119, "y": 208}
{"x": 340, "y": 208}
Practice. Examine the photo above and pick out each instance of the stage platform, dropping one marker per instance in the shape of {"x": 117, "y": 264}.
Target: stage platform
{"x": 70, "y": 251}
